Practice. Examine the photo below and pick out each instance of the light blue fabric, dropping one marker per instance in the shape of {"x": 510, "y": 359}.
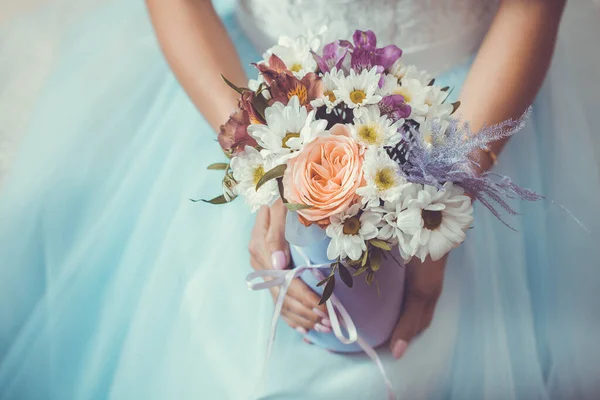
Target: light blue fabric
{"x": 114, "y": 285}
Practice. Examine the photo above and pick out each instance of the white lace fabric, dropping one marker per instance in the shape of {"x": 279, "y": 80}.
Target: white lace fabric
{"x": 435, "y": 34}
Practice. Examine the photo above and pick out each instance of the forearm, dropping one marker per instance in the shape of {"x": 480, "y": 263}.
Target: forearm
{"x": 511, "y": 64}
{"x": 198, "y": 49}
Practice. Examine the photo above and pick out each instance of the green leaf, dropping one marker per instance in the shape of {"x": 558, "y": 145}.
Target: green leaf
{"x": 431, "y": 82}
{"x": 375, "y": 260}
{"x": 361, "y": 270}
{"x": 324, "y": 281}
{"x": 260, "y": 104}
{"x": 445, "y": 89}
{"x": 345, "y": 275}
{"x": 233, "y": 86}
{"x": 295, "y": 207}
{"x": 274, "y": 173}
{"x": 280, "y": 187}
{"x": 328, "y": 291}
{"x": 218, "y": 166}
{"x": 370, "y": 277}
{"x": 364, "y": 257}
{"x": 455, "y": 107}
{"x": 380, "y": 244}
{"x": 217, "y": 200}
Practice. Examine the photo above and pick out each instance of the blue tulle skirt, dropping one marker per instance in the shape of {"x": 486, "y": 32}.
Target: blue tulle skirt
{"x": 113, "y": 284}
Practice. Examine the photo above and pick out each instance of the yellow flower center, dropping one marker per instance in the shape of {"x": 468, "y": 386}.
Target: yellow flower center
{"x": 301, "y": 92}
{"x": 369, "y": 134}
{"x": 259, "y": 172}
{"x": 402, "y": 91}
{"x": 287, "y": 137}
{"x": 358, "y": 96}
{"x": 385, "y": 178}
{"x": 330, "y": 95}
{"x": 296, "y": 68}
{"x": 431, "y": 219}
{"x": 351, "y": 226}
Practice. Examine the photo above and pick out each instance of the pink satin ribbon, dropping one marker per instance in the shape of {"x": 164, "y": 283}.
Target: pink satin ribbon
{"x": 338, "y": 314}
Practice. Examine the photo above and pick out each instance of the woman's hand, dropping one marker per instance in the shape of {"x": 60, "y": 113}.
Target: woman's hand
{"x": 424, "y": 281}
{"x": 269, "y": 250}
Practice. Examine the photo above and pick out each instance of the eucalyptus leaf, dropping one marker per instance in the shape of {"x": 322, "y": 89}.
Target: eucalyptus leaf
{"x": 345, "y": 275}
{"x": 431, "y": 82}
{"x": 370, "y": 277}
{"x": 274, "y": 173}
{"x": 328, "y": 291}
{"x": 218, "y": 166}
{"x": 217, "y": 200}
{"x": 324, "y": 281}
{"x": 375, "y": 260}
{"x": 295, "y": 207}
{"x": 380, "y": 244}
{"x": 364, "y": 257}
{"x": 361, "y": 270}
{"x": 233, "y": 86}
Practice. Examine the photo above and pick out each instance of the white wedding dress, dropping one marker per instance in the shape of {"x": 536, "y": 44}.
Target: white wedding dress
{"x": 114, "y": 285}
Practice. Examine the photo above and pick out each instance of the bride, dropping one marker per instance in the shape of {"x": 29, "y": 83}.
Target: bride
{"x": 114, "y": 285}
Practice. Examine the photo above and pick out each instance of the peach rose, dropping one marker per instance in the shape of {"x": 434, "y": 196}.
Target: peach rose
{"x": 325, "y": 175}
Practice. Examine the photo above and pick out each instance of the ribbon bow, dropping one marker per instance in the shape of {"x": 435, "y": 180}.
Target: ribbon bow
{"x": 338, "y": 314}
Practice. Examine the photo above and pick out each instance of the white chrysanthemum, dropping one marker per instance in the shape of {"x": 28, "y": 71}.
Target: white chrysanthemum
{"x": 384, "y": 180}
{"x": 349, "y": 232}
{"x": 358, "y": 90}
{"x": 413, "y": 91}
{"x": 248, "y": 168}
{"x": 374, "y": 129}
{"x": 433, "y": 130}
{"x": 296, "y": 54}
{"x": 446, "y": 215}
{"x": 435, "y": 96}
{"x": 399, "y": 222}
{"x": 329, "y": 99}
{"x": 401, "y": 71}
{"x": 288, "y": 129}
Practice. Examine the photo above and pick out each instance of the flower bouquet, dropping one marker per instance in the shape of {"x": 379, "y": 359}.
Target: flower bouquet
{"x": 368, "y": 157}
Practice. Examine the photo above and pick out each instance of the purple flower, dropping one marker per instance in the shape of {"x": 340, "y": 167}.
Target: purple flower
{"x": 366, "y": 55}
{"x": 394, "y": 107}
{"x": 333, "y": 55}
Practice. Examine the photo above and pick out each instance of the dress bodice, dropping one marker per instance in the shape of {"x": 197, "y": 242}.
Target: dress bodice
{"x": 436, "y": 34}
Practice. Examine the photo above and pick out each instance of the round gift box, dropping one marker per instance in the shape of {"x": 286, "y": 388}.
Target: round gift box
{"x": 374, "y": 312}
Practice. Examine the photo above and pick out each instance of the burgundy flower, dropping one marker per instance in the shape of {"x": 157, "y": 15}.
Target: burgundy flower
{"x": 233, "y": 136}
{"x": 333, "y": 55}
{"x": 366, "y": 55}
{"x": 254, "y": 105}
{"x": 394, "y": 107}
{"x": 273, "y": 70}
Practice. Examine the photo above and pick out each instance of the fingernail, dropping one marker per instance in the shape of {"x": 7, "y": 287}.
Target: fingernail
{"x": 399, "y": 349}
{"x": 326, "y": 322}
{"x": 278, "y": 260}
{"x": 301, "y": 330}
{"x": 322, "y": 329}
{"x": 320, "y": 313}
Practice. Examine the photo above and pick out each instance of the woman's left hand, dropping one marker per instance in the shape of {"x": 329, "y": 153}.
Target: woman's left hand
{"x": 424, "y": 281}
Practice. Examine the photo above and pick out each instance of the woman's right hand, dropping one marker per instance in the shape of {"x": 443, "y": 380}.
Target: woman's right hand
{"x": 269, "y": 250}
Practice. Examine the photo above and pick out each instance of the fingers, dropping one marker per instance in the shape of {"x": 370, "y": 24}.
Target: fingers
{"x": 276, "y": 244}
{"x": 259, "y": 258}
{"x": 409, "y": 324}
{"x": 310, "y": 300}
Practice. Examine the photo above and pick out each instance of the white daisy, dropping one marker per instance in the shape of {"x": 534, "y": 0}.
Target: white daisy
{"x": 384, "y": 180}
{"x": 296, "y": 54}
{"x": 248, "y": 168}
{"x": 401, "y": 71}
{"x": 348, "y": 233}
{"x": 358, "y": 90}
{"x": 399, "y": 222}
{"x": 329, "y": 99}
{"x": 435, "y": 96}
{"x": 446, "y": 214}
{"x": 432, "y": 131}
{"x": 413, "y": 91}
{"x": 374, "y": 129}
{"x": 288, "y": 129}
